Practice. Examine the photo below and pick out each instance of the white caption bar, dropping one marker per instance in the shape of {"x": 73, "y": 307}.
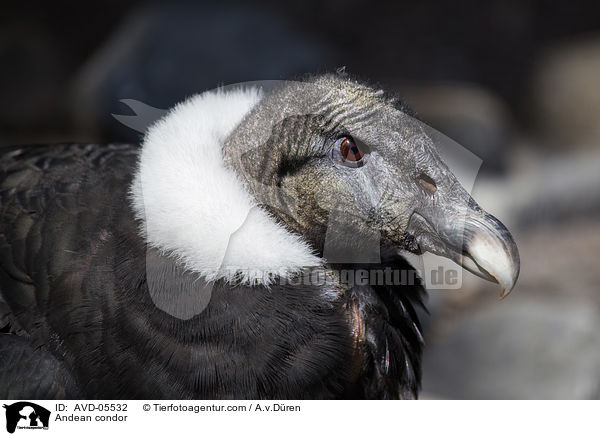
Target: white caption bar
{"x": 298, "y": 417}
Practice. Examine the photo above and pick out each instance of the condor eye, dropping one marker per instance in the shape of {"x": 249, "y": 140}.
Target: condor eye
{"x": 351, "y": 152}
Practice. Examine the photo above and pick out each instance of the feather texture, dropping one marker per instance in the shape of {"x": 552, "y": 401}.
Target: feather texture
{"x": 197, "y": 210}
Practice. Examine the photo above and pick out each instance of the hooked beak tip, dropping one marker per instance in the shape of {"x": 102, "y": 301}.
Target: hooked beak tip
{"x": 480, "y": 243}
{"x": 493, "y": 251}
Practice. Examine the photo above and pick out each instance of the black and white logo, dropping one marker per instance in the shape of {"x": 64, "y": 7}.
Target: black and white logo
{"x": 26, "y": 415}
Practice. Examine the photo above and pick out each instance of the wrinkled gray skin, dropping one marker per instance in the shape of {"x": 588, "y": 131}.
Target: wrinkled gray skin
{"x": 287, "y": 152}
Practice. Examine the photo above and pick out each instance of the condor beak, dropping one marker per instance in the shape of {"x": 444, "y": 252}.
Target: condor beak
{"x": 489, "y": 251}
{"x": 478, "y": 242}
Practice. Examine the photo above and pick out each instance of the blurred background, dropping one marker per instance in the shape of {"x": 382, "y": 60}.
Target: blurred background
{"x": 515, "y": 82}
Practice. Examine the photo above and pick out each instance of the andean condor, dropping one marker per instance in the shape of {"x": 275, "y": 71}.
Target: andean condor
{"x": 194, "y": 265}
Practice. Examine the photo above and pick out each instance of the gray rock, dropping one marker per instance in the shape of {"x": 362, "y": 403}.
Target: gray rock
{"x": 541, "y": 341}
{"x": 566, "y": 94}
{"x": 550, "y": 188}
{"x": 524, "y": 348}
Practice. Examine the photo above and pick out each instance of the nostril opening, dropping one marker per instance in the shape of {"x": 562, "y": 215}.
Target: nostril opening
{"x": 427, "y": 183}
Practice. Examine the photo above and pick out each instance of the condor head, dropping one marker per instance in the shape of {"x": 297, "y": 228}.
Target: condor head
{"x": 334, "y": 156}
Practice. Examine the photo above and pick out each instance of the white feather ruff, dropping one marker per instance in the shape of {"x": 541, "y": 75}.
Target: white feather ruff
{"x": 194, "y": 208}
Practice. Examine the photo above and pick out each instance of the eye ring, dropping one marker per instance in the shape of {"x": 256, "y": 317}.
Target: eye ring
{"x": 351, "y": 152}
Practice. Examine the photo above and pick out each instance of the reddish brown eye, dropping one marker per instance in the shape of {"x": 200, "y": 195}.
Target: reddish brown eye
{"x": 350, "y": 151}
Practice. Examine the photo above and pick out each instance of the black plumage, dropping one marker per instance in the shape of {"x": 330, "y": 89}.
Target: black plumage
{"x": 183, "y": 268}
{"x": 73, "y": 285}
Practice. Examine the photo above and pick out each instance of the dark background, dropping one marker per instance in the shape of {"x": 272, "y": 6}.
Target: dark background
{"x": 516, "y": 82}
{"x": 45, "y": 47}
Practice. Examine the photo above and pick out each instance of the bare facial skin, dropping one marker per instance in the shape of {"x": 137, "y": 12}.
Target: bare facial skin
{"x": 340, "y": 155}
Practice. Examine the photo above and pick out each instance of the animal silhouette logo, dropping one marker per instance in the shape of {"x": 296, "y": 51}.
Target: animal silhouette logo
{"x": 26, "y": 415}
